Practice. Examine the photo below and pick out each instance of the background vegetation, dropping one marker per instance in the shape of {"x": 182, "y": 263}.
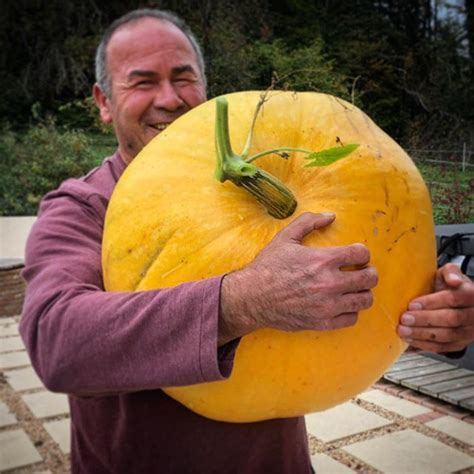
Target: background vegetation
{"x": 408, "y": 63}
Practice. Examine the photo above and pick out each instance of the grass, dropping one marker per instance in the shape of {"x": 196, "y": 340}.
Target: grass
{"x": 102, "y": 145}
{"x": 452, "y": 192}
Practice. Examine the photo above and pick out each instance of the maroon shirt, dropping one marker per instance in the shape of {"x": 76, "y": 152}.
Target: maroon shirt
{"x": 112, "y": 351}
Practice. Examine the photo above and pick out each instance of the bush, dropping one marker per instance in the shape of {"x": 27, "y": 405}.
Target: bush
{"x": 37, "y": 161}
{"x": 302, "y": 69}
{"x": 81, "y": 114}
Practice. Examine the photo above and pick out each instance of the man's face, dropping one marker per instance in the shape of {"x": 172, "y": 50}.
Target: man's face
{"x": 155, "y": 78}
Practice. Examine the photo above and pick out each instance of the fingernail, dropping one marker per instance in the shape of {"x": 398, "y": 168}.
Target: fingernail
{"x": 408, "y": 319}
{"x": 455, "y": 276}
{"x": 328, "y": 214}
{"x": 404, "y": 331}
{"x": 415, "y": 306}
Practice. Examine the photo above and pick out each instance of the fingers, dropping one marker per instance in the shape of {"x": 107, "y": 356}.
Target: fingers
{"x": 441, "y": 330}
{"x": 343, "y": 320}
{"x": 462, "y": 296}
{"x": 358, "y": 280}
{"x": 355, "y": 302}
{"x": 350, "y": 255}
{"x": 444, "y": 335}
{"x": 343, "y": 256}
{"x": 303, "y": 225}
{"x": 440, "y": 318}
{"x": 304, "y": 288}
{"x": 449, "y": 275}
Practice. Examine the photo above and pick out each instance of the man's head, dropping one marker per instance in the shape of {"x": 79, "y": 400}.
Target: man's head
{"x": 149, "y": 71}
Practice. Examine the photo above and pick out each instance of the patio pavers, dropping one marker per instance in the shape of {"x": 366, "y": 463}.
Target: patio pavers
{"x": 7, "y": 418}
{"x": 23, "y": 379}
{"x": 45, "y": 404}
{"x": 17, "y": 450}
{"x": 408, "y": 451}
{"x": 343, "y": 421}
{"x": 11, "y": 344}
{"x": 60, "y": 431}
{"x": 395, "y": 404}
{"x": 10, "y": 360}
{"x": 456, "y": 428}
{"x": 324, "y": 464}
{"x": 375, "y": 432}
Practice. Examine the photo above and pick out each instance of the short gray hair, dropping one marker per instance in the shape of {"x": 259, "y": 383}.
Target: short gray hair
{"x": 101, "y": 74}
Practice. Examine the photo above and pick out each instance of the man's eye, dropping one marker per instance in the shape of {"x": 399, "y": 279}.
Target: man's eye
{"x": 184, "y": 80}
{"x": 142, "y": 84}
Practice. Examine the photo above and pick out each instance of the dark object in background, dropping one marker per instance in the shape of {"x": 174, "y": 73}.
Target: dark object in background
{"x": 455, "y": 243}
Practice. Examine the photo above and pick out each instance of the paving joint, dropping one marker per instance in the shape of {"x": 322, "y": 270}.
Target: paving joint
{"x": 411, "y": 423}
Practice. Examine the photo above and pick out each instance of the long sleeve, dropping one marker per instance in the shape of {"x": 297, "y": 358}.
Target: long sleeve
{"x": 84, "y": 340}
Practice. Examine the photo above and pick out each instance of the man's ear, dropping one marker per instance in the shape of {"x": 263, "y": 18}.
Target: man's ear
{"x": 103, "y": 103}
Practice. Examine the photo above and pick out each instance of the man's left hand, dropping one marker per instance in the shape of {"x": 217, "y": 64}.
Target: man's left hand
{"x": 442, "y": 321}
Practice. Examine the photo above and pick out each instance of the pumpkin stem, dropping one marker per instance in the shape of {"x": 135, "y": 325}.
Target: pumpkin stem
{"x": 267, "y": 190}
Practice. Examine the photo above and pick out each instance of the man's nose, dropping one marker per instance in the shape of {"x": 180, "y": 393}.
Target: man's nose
{"x": 167, "y": 97}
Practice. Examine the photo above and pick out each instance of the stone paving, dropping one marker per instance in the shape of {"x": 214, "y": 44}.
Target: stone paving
{"x": 387, "y": 429}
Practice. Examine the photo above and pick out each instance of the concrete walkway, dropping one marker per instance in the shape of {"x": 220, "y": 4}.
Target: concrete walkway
{"x": 13, "y": 234}
{"x": 387, "y": 429}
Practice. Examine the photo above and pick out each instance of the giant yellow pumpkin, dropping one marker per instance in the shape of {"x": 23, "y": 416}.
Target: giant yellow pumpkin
{"x": 170, "y": 221}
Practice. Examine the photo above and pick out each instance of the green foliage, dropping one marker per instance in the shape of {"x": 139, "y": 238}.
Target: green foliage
{"x": 408, "y": 65}
{"x": 37, "y": 161}
{"x": 305, "y": 68}
{"x": 452, "y": 192}
{"x": 82, "y": 114}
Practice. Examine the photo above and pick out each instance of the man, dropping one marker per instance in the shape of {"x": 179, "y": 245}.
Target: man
{"x": 111, "y": 352}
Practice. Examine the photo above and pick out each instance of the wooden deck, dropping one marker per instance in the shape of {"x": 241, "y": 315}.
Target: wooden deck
{"x": 434, "y": 378}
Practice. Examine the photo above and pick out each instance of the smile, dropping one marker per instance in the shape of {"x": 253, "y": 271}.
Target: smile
{"x": 159, "y": 126}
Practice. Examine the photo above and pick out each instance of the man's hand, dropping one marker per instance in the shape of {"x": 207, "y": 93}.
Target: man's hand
{"x": 293, "y": 287}
{"x": 444, "y": 320}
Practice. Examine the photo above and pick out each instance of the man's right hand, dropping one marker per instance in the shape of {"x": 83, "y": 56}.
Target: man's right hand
{"x": 293, "y": 287}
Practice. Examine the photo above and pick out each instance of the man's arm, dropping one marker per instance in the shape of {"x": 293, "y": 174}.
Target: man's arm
{"x": 444, "y": 320}
{"x": 84, "y": 340}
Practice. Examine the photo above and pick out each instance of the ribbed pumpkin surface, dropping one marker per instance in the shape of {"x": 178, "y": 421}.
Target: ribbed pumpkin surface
{"x": 169, "y": 222}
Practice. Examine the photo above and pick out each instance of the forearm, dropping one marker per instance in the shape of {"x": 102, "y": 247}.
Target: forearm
{"x": 235, "y": 314}
{"x": 86, "y": 341}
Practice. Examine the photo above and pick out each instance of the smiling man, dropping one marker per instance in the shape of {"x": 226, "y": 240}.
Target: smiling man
{"x": 149, "y": 74}
{"x": 112, "y": 352}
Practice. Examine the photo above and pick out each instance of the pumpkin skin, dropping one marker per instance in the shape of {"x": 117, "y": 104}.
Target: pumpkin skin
{"x": 170, "y": 221}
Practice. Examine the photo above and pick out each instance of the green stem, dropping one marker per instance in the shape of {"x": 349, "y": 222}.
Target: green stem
{"x": 276, "y": 150}
{"x": 248, "y": 143}
{"x": 267, "y": 190}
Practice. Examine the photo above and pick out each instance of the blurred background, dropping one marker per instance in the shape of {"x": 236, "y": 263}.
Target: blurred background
{"x": 409, "y": 64}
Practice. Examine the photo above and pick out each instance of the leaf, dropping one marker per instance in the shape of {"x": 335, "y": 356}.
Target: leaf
{"x": 330, "y": 155}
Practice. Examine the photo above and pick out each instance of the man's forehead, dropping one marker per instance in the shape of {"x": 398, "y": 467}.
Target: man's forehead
{"x": 146, "y": 32}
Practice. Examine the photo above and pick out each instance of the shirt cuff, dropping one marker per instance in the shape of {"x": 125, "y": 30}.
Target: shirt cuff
{"x": 216, "y": 362}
